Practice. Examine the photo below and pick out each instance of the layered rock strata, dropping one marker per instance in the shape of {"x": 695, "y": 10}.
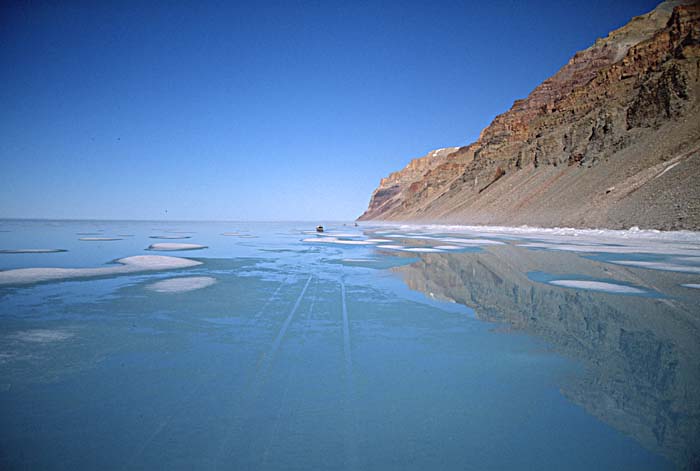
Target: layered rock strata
{"x": 611, "y": 140}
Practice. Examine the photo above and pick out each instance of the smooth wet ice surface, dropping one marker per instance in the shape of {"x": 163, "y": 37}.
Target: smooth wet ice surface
{"x": 288, "y": 350}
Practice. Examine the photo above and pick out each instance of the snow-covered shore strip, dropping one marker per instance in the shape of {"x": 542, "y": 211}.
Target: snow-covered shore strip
{"x": 633, "y": 233}
{"x": 135, "y": 264}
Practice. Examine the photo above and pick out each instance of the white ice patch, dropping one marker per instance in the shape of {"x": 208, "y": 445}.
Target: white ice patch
{"x": 333, "y": 240}
{"x": 138, "y": 263}
{"x": 692, "y": 285}
{"x": 32, "y": 250}
{"x": 658, "y": 266}
{"x": 449, "y": 247}
{"x": 669, "y": 249}
{"x": 181, "y": 284}
{"x": 423, "y": 249}
{"x": 167, "y": 246}
{"x": 42, "y": 335}
{"x": 598, "y": 286}
{"x": 98, "y": 239}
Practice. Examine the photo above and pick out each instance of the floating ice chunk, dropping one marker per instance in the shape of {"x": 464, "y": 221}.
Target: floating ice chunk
{"x": 423, "y": 249}
{"x": 449, "y": 247}
{"x": 98, "y": 239}
{"x": 670, "y": 249}
{"x": 391, "y": 247}
{"x": 658, "y": 266}
{"x": 170, "y": 237}
{"x": 598, "y": 286}
{"x": 32, "y": 250}
{"x": 338, "y": 234}
{"x": 181, "y": 284}
{"x": 333, "y": 240}
{"x": 42, "y": 335}
{"x": 457, "y": 240}
{"x": 692, "y": 285}
{"x": 168, "y": 246}
{"x": 138, "y": 263}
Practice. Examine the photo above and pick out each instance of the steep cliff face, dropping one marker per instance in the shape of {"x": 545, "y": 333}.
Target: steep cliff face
{"x": 611, "y": 140}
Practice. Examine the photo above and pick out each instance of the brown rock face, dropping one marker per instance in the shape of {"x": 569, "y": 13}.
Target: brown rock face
{"x": 589, "y": 147}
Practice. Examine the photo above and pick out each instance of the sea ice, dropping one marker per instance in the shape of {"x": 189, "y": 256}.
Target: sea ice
{"x": 170, "y": 237}
{"x": 138, "y": 263}
{"x": 658, "y": 266}
{"x": 181, "y": 284}
{"x": 32, "y": 250}
{"x": 168, "y": 246}
{"x": 42, "y": 335}
{"x": 598, "y": 286}
{"x": 98, "y": 239}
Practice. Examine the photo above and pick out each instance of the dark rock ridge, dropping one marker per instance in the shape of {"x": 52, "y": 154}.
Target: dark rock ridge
{"x": 611, "y": 140}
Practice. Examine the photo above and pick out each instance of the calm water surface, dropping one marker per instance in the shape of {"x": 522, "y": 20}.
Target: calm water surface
{"x": 364, "y": 348}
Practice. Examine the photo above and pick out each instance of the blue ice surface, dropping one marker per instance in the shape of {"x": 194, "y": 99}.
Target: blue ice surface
{"x": 293, "y": 359}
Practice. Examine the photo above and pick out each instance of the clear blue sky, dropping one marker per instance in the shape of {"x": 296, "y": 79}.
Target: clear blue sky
{"x": 262, "y": 110}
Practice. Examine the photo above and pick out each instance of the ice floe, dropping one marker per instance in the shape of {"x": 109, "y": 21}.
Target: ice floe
{"x": 42, "y": 335}
{"x": 333, "y": 240}
{"x": 171, "y": 246}
{"x": 658, "y": 266}
{"x": 598, "y": 286}
{"x": 32, "y": 250}
{"x": 98, "y": 239}
{"x": 135, "y": 264}
{"x": 691, "y": 285}
{"x": 181, "y": 284}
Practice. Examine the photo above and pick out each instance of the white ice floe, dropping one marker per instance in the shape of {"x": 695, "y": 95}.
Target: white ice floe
{"x": 333, "y": 240}
{"x": 422, "y": 249}
{"x": 99, "y": 239}
{"x": 181, "y": 284}
{"x": 692, "y": 285}
{"x": 457, "y": 240}
{"x": 42, "y": 335}
{"x": 337, "y": 234}
{"x": 449, "y": 247}
{"x": 598, "y": 286}
{"x": 32, "y": 250}
{"x": 135, "y": 264}
{"x": 391, "y": 247}
{"x": 665, "y": 248}
{"x": 658, "y": 266}
{"x": 168, "y": 246}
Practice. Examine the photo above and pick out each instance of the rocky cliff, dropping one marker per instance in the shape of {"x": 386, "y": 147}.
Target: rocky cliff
{"x": 611, "y": 140}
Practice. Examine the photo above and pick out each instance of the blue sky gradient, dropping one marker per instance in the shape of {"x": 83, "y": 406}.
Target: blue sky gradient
{"x": 258, "y": 111}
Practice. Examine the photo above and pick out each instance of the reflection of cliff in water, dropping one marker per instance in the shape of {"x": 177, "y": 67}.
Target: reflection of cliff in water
{"x": 641, "y": 354}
